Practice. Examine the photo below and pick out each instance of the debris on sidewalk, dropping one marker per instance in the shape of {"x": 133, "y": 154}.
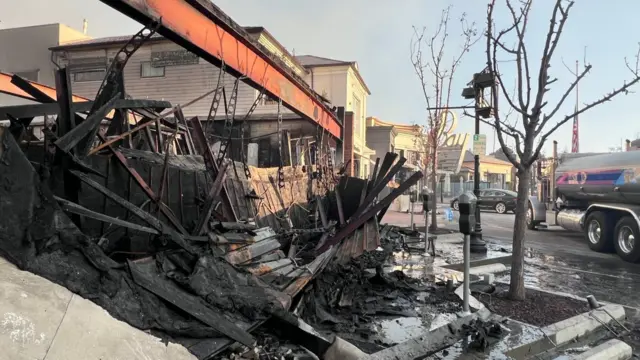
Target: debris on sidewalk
{"x": 130, "y": 205}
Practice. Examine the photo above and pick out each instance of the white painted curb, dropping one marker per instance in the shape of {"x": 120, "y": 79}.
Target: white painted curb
{"x": 488, "y": 269}
{"x": 473, "y": 302}
{"x": 613, "y": 349}
{"x": 580, "y": 325}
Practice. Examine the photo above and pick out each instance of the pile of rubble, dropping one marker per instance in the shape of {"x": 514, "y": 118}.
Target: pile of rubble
{"x": 130, "y": 207}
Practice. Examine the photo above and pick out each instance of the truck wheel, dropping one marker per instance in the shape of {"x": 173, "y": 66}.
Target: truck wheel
{"x": 625, "y": 234}
{"x": 597, "y": 232}
{"x": 531, "y": 225}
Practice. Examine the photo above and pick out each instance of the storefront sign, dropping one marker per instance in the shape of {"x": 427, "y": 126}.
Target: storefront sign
{"x": 173, "y": 58}
{"x": 87, "y": 63}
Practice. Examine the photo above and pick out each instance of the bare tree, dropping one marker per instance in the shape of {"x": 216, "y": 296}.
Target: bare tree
{"x": 435, "y": 70}
{"x": 539, "y": 118}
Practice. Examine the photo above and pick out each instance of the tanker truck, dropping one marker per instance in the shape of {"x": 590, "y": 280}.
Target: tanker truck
{"x": 597, "y": 195}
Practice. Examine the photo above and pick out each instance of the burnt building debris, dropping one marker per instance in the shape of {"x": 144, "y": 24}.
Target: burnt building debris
{"x": 128, "y": 203}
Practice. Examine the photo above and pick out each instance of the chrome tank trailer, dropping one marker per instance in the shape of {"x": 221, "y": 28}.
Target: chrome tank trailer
{"x": 613, "y": 177}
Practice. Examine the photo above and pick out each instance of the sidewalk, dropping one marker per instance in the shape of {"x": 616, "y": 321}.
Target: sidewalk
{"x": 42, "y": 320}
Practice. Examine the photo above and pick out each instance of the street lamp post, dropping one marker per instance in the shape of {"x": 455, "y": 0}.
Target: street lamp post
{"x": 477, "y": 244}
{"x": 480, "y": 82}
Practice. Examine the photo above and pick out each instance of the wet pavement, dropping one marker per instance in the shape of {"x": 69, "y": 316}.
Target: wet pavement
{"x": 556, "y": 260}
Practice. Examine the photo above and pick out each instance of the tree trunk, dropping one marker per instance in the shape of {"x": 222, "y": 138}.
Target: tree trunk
{"x": 434, "y": 186}
{"x": 516, "y": 287}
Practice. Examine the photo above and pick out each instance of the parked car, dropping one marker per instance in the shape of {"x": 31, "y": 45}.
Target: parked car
{"x": 499, "y": 200}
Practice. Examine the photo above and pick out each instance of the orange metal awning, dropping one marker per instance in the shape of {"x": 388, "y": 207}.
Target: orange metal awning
{"x": 206, "y": 31}
{"x": 8, "y": 88}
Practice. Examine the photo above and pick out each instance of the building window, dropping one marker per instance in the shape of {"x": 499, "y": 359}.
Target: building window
{"x": 28, "y": 75}
{"x": 357, "y": 116}
{"x": 148, "y": 71}
{"x": 89, "y": 75}
{"x": 268, "y": 100}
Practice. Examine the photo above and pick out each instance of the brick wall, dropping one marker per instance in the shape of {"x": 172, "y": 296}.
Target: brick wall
{"x": 348, "y": 142}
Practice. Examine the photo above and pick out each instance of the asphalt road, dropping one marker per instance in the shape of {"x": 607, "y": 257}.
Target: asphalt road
{"x": 556, "y": 259}
{"x": 561, "y": 260}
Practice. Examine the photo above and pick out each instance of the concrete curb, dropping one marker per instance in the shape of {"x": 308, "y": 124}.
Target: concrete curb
{"x": 488, "y": 269}
{"x": 504, "y": 260}
{"x": 580, "y": 325}
{"x": 474, "y": 303}
{"x": 613, "y": 349}
{"x": 570, "y": 329}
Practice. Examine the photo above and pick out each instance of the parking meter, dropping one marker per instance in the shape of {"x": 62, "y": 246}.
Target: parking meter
{"x": 427, "y": 200}
{"x": 413, "y": 196}
{"x": 467, "y": 206}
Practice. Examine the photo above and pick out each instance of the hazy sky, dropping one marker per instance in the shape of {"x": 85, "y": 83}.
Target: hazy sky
{"x": 377, "y": 33}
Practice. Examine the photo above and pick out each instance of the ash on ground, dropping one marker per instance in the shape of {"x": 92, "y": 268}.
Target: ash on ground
{"x": 351, "y": 301}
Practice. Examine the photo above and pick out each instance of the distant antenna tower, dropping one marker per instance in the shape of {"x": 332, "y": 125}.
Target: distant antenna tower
{"x": 575, "y": 138}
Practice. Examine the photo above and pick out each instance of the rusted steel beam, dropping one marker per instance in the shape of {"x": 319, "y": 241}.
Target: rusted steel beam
{"x": 212, "y": 166}
{"x": 7, "y": 87}
{"x": 357, "y": 222}
{"x": 212, "y": 198}
{"x": 206, "y": 31}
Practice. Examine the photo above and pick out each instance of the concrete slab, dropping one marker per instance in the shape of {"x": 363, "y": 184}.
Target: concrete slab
{"x": 570, "y": 329}
{"x": 31, "y": 309}
{"x": 613, "y": 349}
{"x": 100, "y": 336}
{"x": 579, "y": 325}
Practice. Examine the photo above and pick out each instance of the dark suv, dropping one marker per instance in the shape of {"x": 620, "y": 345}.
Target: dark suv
{"x": 499, "y": 200}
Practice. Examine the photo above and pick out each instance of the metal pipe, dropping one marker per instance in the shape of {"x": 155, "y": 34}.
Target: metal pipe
{"x": 467, "y": 265}
{"x": 426, "y": 232}
{"x": 476, "y": 238}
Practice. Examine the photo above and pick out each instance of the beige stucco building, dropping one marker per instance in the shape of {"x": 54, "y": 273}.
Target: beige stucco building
{"x": 25, "y": 52}
{"x": 342, "y": 84}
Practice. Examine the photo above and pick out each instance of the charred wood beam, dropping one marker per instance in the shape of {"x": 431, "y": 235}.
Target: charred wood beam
{"x": 203, "y": 148}
{"x": 388, "y": 161}
{"x": 339, "y": 205}
{"x": 211, "y": 201}
{"x": 166, "y": 289}
{"x": 358, "y": 221}
{"x": 150, "y": 219}
{"x": 87, "y": 128}
{"x": 74, "y": 208}
{"x": 380, "y": 185}
{"x": 143, "y": 185}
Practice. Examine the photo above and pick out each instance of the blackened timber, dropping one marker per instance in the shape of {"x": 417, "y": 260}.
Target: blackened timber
{"x": 33, "y": 110}
{"x": 357, "y": 222}
{"x": 66, "y": 118}
{"x": 211, "y": 199}
{"x": 382, "y": 183}
{"x": 86, "y": 128}
{"x": 339, "y": 204}
{"x": 156, "y": 223}
{"x": 143, "y": 185}
{"x": 388, "y": 161}
{"x": 253, "y": 251}
{"x": 212, "y": 166}
{"x": 74, "y": 208}
{"x": 194, "y": 306}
